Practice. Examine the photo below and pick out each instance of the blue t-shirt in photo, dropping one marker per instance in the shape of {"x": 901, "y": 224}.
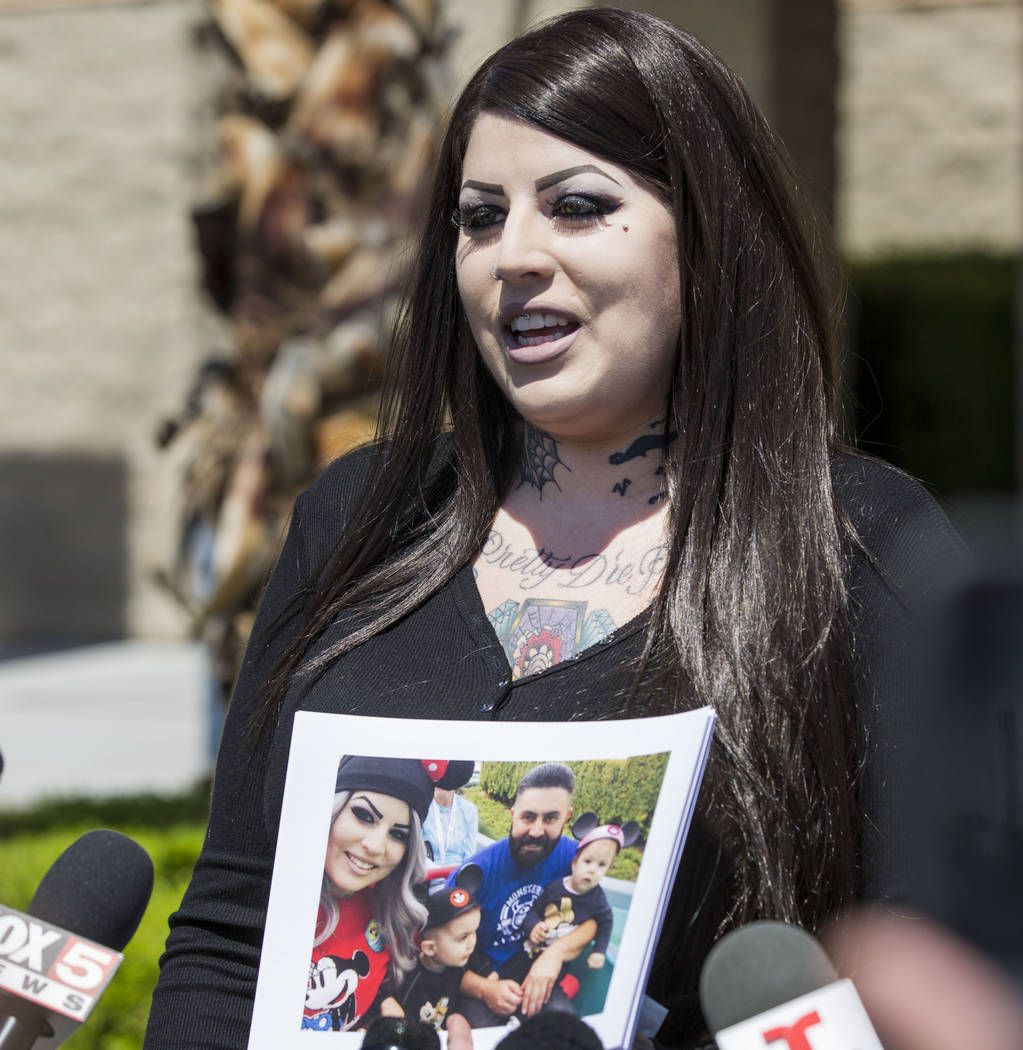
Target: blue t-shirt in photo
{"x": 509, "y": 891}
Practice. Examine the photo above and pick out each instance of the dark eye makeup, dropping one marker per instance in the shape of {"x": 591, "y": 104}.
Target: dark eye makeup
{"x": 474, "y": 218}
{"x": 366, "y": 816}
{"x": 569, "y": 211}
{"x": 579, "y": 209}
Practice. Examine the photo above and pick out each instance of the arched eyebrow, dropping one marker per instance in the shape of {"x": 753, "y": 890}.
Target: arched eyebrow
{"x": 362, "y": 798}
{"x": 484, "y": 187}
{"x": 376, "y": 812}
{"x": 560, "y": 176}
{"x": 542, "y": 183}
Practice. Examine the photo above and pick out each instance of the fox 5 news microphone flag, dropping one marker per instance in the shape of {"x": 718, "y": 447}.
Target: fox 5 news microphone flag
{"x": 51, "y": 977}
{"x": 58, "y": 971}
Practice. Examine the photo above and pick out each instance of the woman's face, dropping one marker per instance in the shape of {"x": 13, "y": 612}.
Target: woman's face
{"x": 367, "y": 841}
{"x": 582, "y": 327}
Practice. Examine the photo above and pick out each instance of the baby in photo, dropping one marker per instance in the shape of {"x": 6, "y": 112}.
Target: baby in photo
{"x": 569, "y": 901}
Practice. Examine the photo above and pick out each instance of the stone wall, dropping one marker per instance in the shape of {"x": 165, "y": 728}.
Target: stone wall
{"x": 106, "y": 120}
{"x": 930, "y": 126}
{"x": 99, "y": 321}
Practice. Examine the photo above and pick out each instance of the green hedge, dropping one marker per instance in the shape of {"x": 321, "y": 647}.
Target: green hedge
{"x": 931, "y": 374}
{"x": 495, "y": 820}
{"x": 170, "y": 829}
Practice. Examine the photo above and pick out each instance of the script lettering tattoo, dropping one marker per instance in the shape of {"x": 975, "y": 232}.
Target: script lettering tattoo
{"x": 538, "y": 566}
{"x": 622, "y": 486}
{"x": 539, "y": 460}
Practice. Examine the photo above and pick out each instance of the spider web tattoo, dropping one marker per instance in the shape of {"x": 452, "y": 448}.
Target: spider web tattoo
{"x": 539, "y": 458}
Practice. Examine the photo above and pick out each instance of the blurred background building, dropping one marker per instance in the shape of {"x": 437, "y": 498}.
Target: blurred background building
{"x": 905, "y": 118}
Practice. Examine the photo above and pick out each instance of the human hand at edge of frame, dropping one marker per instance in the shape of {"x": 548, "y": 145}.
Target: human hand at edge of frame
{"x": 459, "y": 1033}
{"x": 924, "y": 987}
{"x": 390, "y": 1007}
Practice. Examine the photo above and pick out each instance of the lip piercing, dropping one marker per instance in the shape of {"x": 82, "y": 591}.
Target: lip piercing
{"x": 625, "y": 229}
{"x": 493, "y": 272}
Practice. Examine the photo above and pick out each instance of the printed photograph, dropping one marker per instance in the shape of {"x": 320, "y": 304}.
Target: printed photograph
{"x": 525, "y": 871}
{"x": 449, "y": 886}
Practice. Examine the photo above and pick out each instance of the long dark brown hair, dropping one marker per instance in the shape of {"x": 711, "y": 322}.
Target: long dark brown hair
{"x": 751, "y": 616}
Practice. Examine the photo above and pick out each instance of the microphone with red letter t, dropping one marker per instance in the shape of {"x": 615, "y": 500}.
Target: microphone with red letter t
{"x": 770, "y": 986}
{"x": 56, "y": 959}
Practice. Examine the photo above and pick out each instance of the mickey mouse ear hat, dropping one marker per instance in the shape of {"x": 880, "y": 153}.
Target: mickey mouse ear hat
{"x": 451, "y": 901}
{"x": 412, "y": 780}
{"x": 588, "y": 829}
{"x": 457, "y": 774}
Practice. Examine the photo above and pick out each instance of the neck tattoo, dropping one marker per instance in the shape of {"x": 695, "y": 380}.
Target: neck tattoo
{"x": 655, "y": 442}
{"x": 539, "y": 460}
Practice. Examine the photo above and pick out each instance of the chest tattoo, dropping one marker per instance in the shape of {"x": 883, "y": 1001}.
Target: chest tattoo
{"x": 538, "y": 633}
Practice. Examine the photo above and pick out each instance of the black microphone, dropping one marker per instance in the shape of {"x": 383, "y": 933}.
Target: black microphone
{"x": 767, "y": 984}
{"x": 400, "y": 1033}
{"x": 552, "y": 1030}
{"x": 58, "y": 957}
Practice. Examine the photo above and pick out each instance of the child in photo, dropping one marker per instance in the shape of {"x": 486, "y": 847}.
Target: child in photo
{"x": 571, "y": 900}
{"x": 445, "y": 945}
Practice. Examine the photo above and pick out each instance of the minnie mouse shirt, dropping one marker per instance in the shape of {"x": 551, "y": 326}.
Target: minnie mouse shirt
{"x": 347, "y": 969}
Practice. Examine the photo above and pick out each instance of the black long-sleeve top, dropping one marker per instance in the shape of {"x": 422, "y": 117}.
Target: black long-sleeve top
{"x": 445, "y": 661}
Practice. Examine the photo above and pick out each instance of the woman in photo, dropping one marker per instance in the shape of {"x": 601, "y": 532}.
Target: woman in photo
{"x": 368, "y": 916}
{"x": 609, "y": 483}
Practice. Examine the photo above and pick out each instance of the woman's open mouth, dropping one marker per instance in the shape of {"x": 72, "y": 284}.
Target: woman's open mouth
{"x": 534, "y": 337}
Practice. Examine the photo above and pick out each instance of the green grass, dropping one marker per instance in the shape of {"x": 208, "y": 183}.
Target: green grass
{"x": 171, "y": 830}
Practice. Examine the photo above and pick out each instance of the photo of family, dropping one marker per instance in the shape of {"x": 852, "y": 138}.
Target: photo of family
{"x": 422, "y": 916}
{"x": 471, "y": 886}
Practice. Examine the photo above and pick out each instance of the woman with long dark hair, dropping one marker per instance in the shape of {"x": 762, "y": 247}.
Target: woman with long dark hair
{"x": 368, "y": 914}
{"x": 608, "y": 483}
